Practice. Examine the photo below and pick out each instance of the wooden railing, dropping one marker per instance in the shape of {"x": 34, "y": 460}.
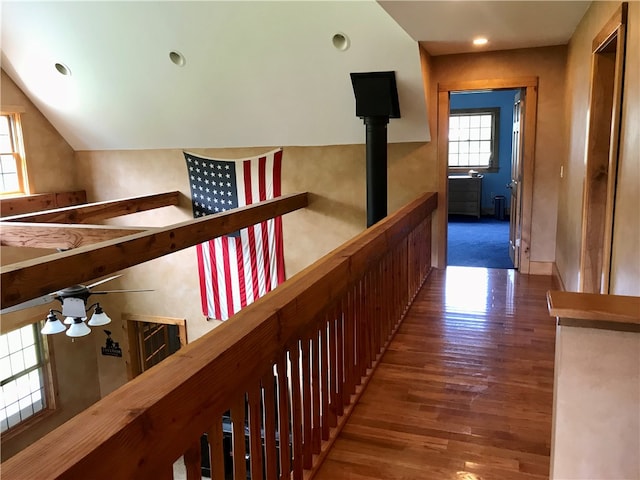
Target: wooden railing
{"x": 285, "y": 371}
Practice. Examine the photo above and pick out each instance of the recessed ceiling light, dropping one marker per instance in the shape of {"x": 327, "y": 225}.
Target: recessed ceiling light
{"x": 480, "y": 41}
{"x": 177, "y": 58}
{"x": 341, "y": 41}
{"x": 63, "y": 69}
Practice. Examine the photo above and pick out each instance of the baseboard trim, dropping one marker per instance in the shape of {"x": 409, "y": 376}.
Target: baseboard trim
{"x": 541, "y": 268}
{"x": 558, "y": 278}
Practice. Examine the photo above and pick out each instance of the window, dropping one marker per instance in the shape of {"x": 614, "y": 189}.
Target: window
{"x": 12, "y": 169}
{"x": 24, "y": 376}
{"x": 473, "y": 139}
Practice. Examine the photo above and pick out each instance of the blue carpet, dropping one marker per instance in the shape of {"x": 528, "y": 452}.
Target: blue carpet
{"x": 478, "y": 243}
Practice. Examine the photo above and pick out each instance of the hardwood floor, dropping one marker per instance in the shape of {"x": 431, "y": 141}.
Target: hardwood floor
{"x": 464, "y": 391}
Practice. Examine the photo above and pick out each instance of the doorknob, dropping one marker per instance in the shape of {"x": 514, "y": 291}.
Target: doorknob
{"x": 511, "y": 185}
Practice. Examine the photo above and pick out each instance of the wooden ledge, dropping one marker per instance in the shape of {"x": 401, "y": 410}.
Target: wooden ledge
{"x": 591, "y": 310}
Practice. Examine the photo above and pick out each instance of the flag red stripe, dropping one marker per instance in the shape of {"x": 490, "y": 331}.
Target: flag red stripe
{"x": 277, "y": 191}
{"x": 203, "y": 283}
{"x": 227, "y": 276}
{"x": 241, "y": 280}
{"x": 214, "y": 278}
{"x": 252, "y": 236}
{"x": 262, "y": 188}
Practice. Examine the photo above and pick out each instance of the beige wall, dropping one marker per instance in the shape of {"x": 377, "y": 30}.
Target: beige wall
{"x": 50, "y": 161}
{"x": 596, "y": 419}
{"x": 548, "y": 64}
{"x": 625, "y": 274}
{"x": 49, "y": 156}
{"x": 625, "y": 265}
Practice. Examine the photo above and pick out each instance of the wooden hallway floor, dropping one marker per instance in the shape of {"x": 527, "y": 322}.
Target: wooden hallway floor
{"x": 464, "y": 391}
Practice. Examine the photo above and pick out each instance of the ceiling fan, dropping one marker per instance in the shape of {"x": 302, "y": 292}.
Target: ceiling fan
{"x": 74, "y": 308}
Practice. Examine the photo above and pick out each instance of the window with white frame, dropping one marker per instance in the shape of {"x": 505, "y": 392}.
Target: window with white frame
{"x": 12, "y": 168}
{"x": 473, "y": 139}
{"x": 24, "y": 376}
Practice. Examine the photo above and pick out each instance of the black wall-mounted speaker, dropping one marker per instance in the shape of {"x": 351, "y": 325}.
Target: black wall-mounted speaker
{"x": 376, "y": 94}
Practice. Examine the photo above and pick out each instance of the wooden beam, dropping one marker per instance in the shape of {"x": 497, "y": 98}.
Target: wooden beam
{"x": 59, "y": 235}
{"x": 93, "y": 212}
{"x": 41, "y": 201}
{"x": 32, "y": 278}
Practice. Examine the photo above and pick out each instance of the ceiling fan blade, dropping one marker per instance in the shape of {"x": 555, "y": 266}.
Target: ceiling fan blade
{"x": 30, "y": 303}
{"x": 122, "y": 291}
{"x": 104, "y": 280}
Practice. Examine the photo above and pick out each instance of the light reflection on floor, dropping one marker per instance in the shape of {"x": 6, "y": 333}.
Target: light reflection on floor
{"x": 480, "y": 290}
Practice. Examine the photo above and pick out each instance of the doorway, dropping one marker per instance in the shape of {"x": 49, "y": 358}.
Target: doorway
{"x": 151, "y": 340}
{"x": 524, "y": 185}
{"x": 602, "y": 154}
{"x": 480, "y": 180}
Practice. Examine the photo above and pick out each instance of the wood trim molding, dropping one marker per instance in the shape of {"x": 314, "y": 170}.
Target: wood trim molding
{"x": 491, "y": 84}
{"x": 619, "y": 18}
{"x": 29, "y": 279}
{"x": 528, "y": 158}
{"x": 530, "y": 85}
{"x": 558, "y": 277}
{"x": 442, "y": 213}
{"x": 9, "y": 109}
{"x": 132, "y": 361}
{"x": 540, "y": 268}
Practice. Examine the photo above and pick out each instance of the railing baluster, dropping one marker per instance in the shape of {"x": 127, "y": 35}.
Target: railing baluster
{"x": 216, "y": 450}
{"x": 315, "y": 393}
{"x": 307, "y": 456}
{"x": 296, "y": 408}
{"x": 193, "y": 461}
{"x": 270, "y": 446}
{"x": 255, "y": 430}
{"x": 284, "y": 418}
{"x": 325, "y": 373}
{"x": 238, "y": 439}
{"x": 340, "y": 348}
{"x": 349, "y": 353}
{"x": 333, "y": 366}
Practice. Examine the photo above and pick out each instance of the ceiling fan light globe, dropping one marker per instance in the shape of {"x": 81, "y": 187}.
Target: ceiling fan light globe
{"x": 78, "y": 329}
{"x": 52, "y": 327}
{"x": 99, "y": 319}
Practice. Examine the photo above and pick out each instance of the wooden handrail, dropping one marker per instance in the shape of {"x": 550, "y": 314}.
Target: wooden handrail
{"x": 321, "y": 332}
{"x": 613, "y": 312}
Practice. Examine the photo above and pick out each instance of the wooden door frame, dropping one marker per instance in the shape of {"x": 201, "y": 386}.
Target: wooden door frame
{"x": 602, "y": 163}
{"x": 133, "y": 358}
{"x": 530, "y": 87}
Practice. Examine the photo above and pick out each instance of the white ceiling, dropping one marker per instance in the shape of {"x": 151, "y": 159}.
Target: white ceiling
{"x": 448, "y": 27}
{"x": 257, "y": 73}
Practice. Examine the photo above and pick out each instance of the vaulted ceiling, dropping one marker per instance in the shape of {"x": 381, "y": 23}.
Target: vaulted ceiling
{"x": 250, "y": 73}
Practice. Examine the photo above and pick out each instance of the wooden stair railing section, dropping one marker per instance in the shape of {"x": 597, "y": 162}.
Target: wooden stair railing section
{"x": 286, "y": 370}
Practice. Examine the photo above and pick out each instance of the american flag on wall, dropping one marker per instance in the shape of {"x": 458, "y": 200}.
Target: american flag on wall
{"x": 238, "y": 268}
